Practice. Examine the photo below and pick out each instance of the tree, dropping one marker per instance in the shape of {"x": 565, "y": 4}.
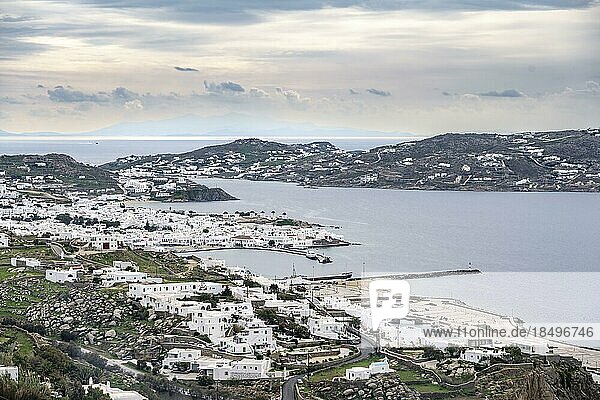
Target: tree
{"x": 204, "y": 380}
{"x": 95, "y": 394}
{"x": 27, "y": 388}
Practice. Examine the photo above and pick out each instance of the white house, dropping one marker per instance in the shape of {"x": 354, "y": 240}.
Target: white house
{"x": 12, "y": 372}
{"x": 213, "y": 324}
{"x": 111, "y": 278}
{"x": 3, "y": 241}
{"x": 138, "y": 291}
{"x": 326, "y": 327}
{"x": 61, "y": 275}
{"x": 532, "y": 347}
{"x": 114, "y": 393}
{"x": 358, "y": 373}
{"x": 480, "y": 356}
{"x": 192, "y": 360}
{"x": 125, "y": 265}
{"x": 105, "y": 242}
{"x": 376, "y": 367}
{"x": 24, "y": 262}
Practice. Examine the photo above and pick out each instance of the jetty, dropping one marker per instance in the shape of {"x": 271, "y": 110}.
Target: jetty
{"x": 418, "y": 275}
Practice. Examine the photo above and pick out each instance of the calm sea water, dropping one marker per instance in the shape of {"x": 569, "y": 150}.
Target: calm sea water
{"x": 538, "y": 251}
{"x": 102, "y": 151}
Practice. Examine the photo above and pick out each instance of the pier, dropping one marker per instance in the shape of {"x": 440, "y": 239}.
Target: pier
{"x": 419, "y": 275}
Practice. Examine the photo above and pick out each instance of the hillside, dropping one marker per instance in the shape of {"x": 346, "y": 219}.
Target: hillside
{"x": 56, "y": 172}
{"x": 545, "y": 161}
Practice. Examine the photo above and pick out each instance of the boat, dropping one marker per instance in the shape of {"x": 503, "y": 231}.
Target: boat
{"x": 342, "y": 275}
{"x": 323, "y": 259}
{"x": 311, "y": 255}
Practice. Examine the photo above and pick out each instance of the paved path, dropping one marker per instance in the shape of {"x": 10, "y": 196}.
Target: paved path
{"x": 288, "y": 390}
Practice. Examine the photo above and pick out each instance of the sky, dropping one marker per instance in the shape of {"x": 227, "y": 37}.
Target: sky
{"x": 422, "y": 67}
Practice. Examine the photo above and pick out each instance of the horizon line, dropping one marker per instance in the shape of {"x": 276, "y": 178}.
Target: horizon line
{"x": 208, "y": 138}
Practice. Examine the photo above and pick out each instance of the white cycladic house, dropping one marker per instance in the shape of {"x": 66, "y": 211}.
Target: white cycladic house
{"x": 326, "y": 327}
{"x": 24, "y": 262}
{"x": 481, "y": 356}
{"x": 376, "y": 367}
{"x": 213, "y": 324}
{"x": 61, "y": 275}
{"x": 358, "y": 373}
{"x": 138, "y": 291}
{"x": 12, "y": 372}
{"x": 105, "y": 242}
{"x": 531, "y": 347}
{"x": 114, "y": 393}
{"x": 125, "y": 265}
{"x": 3, "y": 241}
{"x": 111, "y": 278}
{"x": 192, "y": 360}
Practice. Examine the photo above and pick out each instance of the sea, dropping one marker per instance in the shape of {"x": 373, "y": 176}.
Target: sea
{"x": 539, "y": 253}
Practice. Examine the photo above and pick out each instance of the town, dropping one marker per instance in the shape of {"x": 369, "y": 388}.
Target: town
{"x": 93, "y": 273}
{"x": 121, "y": 294}
{"x": 532, "y": 161}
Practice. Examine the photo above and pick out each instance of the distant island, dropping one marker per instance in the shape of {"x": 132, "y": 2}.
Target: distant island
{"x": 528, "y": 161}
{"x": 53, "y": 176}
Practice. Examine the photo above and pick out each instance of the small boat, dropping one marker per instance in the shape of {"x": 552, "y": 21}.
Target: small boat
{"x": 311, "y": 255}
{"x": 324, "y": 259}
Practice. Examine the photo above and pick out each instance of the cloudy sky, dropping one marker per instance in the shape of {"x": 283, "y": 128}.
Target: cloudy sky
{"x": 396, "y": 66}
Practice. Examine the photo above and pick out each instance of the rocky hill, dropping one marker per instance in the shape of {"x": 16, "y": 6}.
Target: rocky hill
{"x": 197, "y": 193}
{"x": 543, "y": 161}
{"x": 56, "y": 172}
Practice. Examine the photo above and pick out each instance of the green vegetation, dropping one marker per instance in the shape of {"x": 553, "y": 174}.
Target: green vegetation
{"x": 428, "y": 388}
{"x": 408, "y": 375}
{"x": 43, "y": 361}
{"x": 284, "y": 324}
{"x": 58, "y": 169}
{"x": 152, "y": 263}
{"x": 330, "y": 373}
{"x": 41, "y": 252}
{"x": 5, "y": 274}
{"x": 27, "y": 388}
{"x": 28, "y": 289}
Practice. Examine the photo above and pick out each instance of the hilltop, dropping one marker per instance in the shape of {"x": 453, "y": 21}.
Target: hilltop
{"x": 540, "y": 161}
{"x": 56, "y": 172}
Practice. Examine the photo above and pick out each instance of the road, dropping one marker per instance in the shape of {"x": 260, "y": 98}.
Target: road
{"x": 288, "y": 390}
{"x": 58, "y": 250}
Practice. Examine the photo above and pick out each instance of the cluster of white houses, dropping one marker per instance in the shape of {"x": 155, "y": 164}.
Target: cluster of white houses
{"x": 122, "y": 272}
{"x": 106, "y": 223}
{"x": 251, "y": 335}
{"x": 218, "y": 368}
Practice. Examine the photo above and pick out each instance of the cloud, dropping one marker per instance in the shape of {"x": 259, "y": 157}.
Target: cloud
{"x": 120, "y": 95}
{"x": 379, "y": 92}
{"x": 292, "y": 96}
{"x": 186, "y": 69}
{"x": 12, "y": 18}
{"x": 135, "y": 104}
{"x": 504, "y": 93}
{"x": 247, "y": 12}
{"x": 352, "y": 91}
{"x": 256, "y": 92}
{"x": 61, "y": 94}
{"x": 223, "y": 87}
{"x": 10, "y": 100}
